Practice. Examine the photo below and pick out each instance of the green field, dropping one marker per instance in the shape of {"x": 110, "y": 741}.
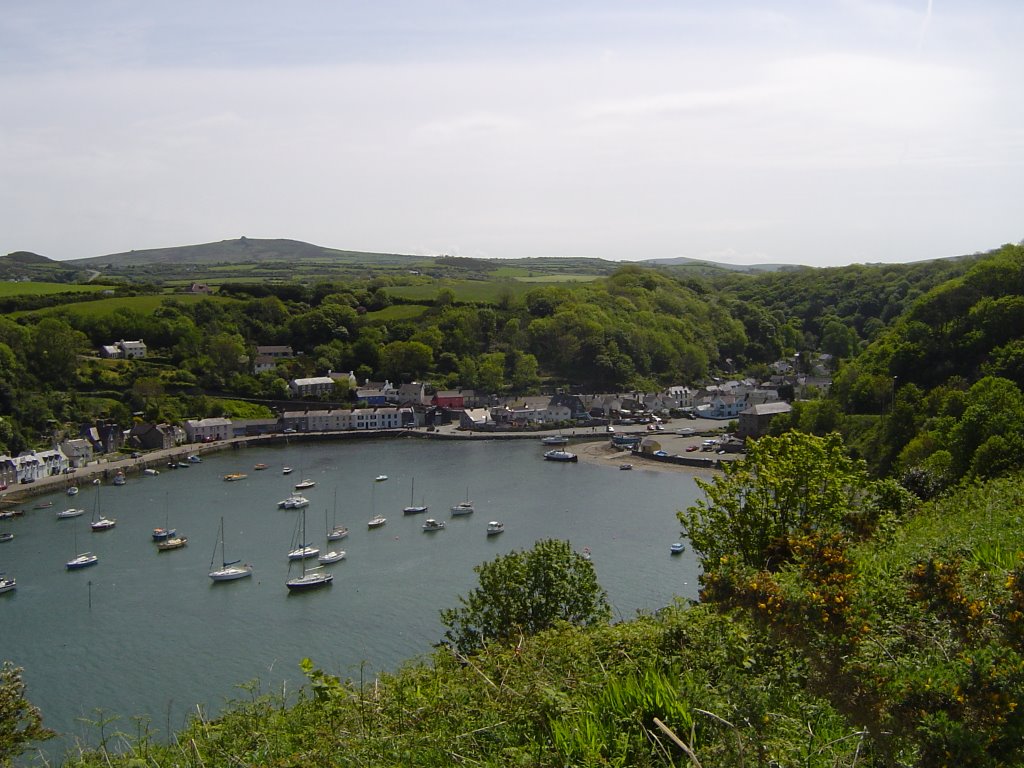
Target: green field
{"x": 397, "y": 312}
{"x": 47, "y": 289}
{"x": 102, "y": 307}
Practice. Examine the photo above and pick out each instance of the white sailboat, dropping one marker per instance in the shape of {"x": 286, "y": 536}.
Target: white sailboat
{"x": 414, "y": 508}
{"x": 229, "y": 569}
{"x": 99, "y": 522}
{"x": 312, "y": 578}
{"x": 463, "y": 507}
{"x": 335, "y": 532}
{"x": 81, "y": 560}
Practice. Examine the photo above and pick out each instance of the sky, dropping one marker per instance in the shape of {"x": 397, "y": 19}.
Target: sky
{"x": 818, "y": 132}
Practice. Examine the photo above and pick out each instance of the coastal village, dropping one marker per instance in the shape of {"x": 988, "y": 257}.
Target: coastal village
{"x": 383, "y": 407}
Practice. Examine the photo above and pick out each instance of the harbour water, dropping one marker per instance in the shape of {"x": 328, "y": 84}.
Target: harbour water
{"x": 146, "y": 633}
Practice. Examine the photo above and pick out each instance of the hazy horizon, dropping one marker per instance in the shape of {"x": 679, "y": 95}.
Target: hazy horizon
{"x": 845, "y": 131}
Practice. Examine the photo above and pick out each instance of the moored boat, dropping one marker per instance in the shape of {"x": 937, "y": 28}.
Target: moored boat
{"x": 7, "y": 583}
{"x": 6, "y": 536}
{"x": 555, "y": 440}
{"x": 313, "y": 577}
{"x": 294, "y": 501}
{"x": 72, "y": 490}
{"x": 83, "y": 560}
{"x": 70, "y": 512}
{"x": 233, "y": 476}
{"x": 414, "y": 508}
{"x": 259, "y": 467}
{"x": 304, "y": 484}
{"x": 162, "y": 534}
{"x": 171, "y": 542}
{"x": 430, "y": 524}
{"x": 229, "y": 570}
{"x": 677, "y": 547}
{"x": 495, "y": 527}
{"x": 376, "y": 522}
{"x": 559, "y": 455}
{"x": 380, "y": 478}
{"x": 331, "y": 556}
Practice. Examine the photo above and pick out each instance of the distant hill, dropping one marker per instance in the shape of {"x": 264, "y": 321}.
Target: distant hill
{"x": 242, "y": 251}
{"x": 715, "y": 266}
{"x": 25, "y": 265}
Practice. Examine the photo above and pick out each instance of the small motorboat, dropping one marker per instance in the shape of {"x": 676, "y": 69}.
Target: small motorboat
{"x": 162, "y": 534}
{"x": 7, "y": 584}
{"x": 494, "y": 527}
{"x": 555, "y": 440}
{"x": 233, "y": 476}
{"x": 380, "y": 478}
{"x": 72, "y": 490}
{"x": 304, "y": 484}
{"x": 559, "y": 455}
{"x": 259, "y": 467}
{"x": 193, "y": 459}
{"x": 149, "y": 471}
{"x": 430, "y": 524}
{"x": 286, "y": 470}
{"x": 6, "y": 536}
{"x": 678, "y": 548}
{"x": 331, "y": 556}
{"x": 43, "y": 505}
{"x": 70, "y": 512}
{"x": 119, "y": 478}
{"x": 171, "y": 542}
{"x": 625, "y": 466}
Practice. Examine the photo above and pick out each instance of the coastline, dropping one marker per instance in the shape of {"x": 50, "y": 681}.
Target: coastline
{"x": 591, "y": 446}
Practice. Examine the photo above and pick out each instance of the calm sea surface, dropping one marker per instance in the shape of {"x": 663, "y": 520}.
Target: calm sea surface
{"x": 147, "y": 633}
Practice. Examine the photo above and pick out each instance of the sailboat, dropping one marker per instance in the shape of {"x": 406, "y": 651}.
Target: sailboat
{"x": 335, "y": 532}
{"x": 99, "y": 522}
{"x": 413, "y": 508}
{"x": 463, "y": 507}
{"x": 312, "y": 578}
{"x": 375, "y": 521}
{"x": 229, "y": 570}
{"x": 83, "y": 560}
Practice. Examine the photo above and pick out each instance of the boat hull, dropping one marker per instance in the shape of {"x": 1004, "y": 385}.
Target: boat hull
{"x": 309, "y": 581}
{"x": 231, "y": 573}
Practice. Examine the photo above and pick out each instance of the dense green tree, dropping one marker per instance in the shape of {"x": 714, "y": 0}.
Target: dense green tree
{"x": 523, "y": 593}
{"x": 792, "y": 483}
{"x": 21, "y": 724}
{"x": 405, "y": 360}
{"x": 55, "y": 349}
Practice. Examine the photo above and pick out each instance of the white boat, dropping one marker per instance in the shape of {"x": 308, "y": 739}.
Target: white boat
{"x": 70, "y": 512}
{"x": 494, "y": 527}
{"x": 380, "y": 478}
{"x": 463, "y": 507}
{"x": 304, "y": 484}
{"x": 677, "y": 547}
{"x": 295, "y": 501}
{"x": 286, "y": 470}
{"x": 376, "y": 522}
{"x": 303, "y": 552}
{"x": 335, "y": 532}
{"x": 151, "y": 472}
{"x": 430, "y": 524}
{"x": 414, "y": 508}
{"x": 119, "y": 478}
{"x": 99, "y": 522}
{"x": 7, "y": 583}
{"x": 229, "y": 570}
{"x": 6, "y": 536}
{"x": 555, "y": 440}
{"x": 194, "y": 459}
{"x": 72, "y": 490}
{"x": 331, "y": 556}
{"x": 559, "y": 455}
{"x": 82, "y": 560}
{"x": 308, "y": 579}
